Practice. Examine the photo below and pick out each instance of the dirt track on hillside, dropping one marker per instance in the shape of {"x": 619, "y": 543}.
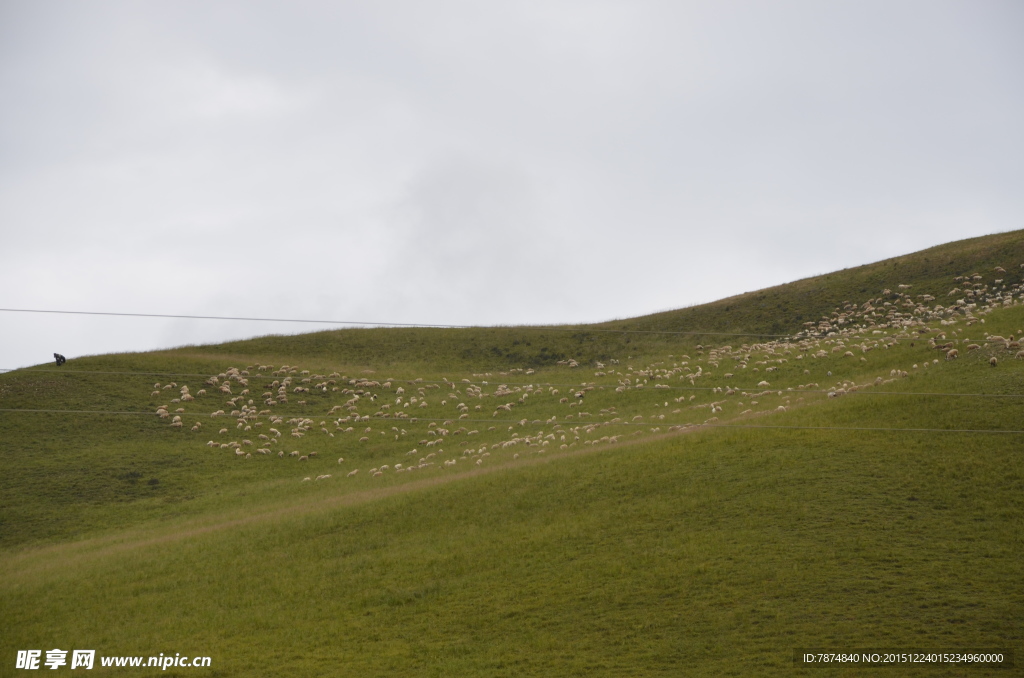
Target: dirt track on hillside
{"x": 41, "y": 559}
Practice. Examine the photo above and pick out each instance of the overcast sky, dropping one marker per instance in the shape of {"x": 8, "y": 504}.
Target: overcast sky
{"x": 480, "y": 163}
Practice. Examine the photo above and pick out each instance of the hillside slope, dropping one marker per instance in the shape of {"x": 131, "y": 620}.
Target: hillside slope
{"x": 784, "y": 308}
{"x": 412, "y": 501}
{"x": 754, "y": 316}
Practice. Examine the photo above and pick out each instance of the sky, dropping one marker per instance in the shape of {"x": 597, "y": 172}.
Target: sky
{"x": 475, "y": 163}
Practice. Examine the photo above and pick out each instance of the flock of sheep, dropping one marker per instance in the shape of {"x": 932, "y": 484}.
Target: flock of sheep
{"x": 286, "y": 411}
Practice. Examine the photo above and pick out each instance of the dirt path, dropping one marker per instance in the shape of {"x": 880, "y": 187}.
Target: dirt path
{"x": 36, "y": 560}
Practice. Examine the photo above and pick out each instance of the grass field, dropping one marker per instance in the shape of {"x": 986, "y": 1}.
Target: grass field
{"x": 664, "y": 504}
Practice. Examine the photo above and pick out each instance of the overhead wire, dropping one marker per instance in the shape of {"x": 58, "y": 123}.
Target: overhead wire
{"x": 546, "y": 328}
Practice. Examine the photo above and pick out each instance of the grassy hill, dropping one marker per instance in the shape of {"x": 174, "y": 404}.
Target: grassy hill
{"x": 784, "y": 308}
{"x": 779, "y": 310}
{"x": 613, "y": 503}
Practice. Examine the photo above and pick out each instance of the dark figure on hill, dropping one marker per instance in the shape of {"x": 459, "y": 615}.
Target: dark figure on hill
{"x": 60, "y": 359}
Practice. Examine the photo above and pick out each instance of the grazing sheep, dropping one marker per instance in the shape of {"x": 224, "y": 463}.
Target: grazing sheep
{"x": 341, "y": 460}
{"x": 952, "y": 354}
{"x": 993, "y": 361}
{"x": 304, "y": 458}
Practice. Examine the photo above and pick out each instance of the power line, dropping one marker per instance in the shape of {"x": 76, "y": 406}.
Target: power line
{"x": 76, "y": 372}
{"x": 544, "y": 328}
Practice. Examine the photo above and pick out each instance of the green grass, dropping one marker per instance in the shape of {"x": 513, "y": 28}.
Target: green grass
{"x": 702, "y": 551}
{"x": 782, "y": 309}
